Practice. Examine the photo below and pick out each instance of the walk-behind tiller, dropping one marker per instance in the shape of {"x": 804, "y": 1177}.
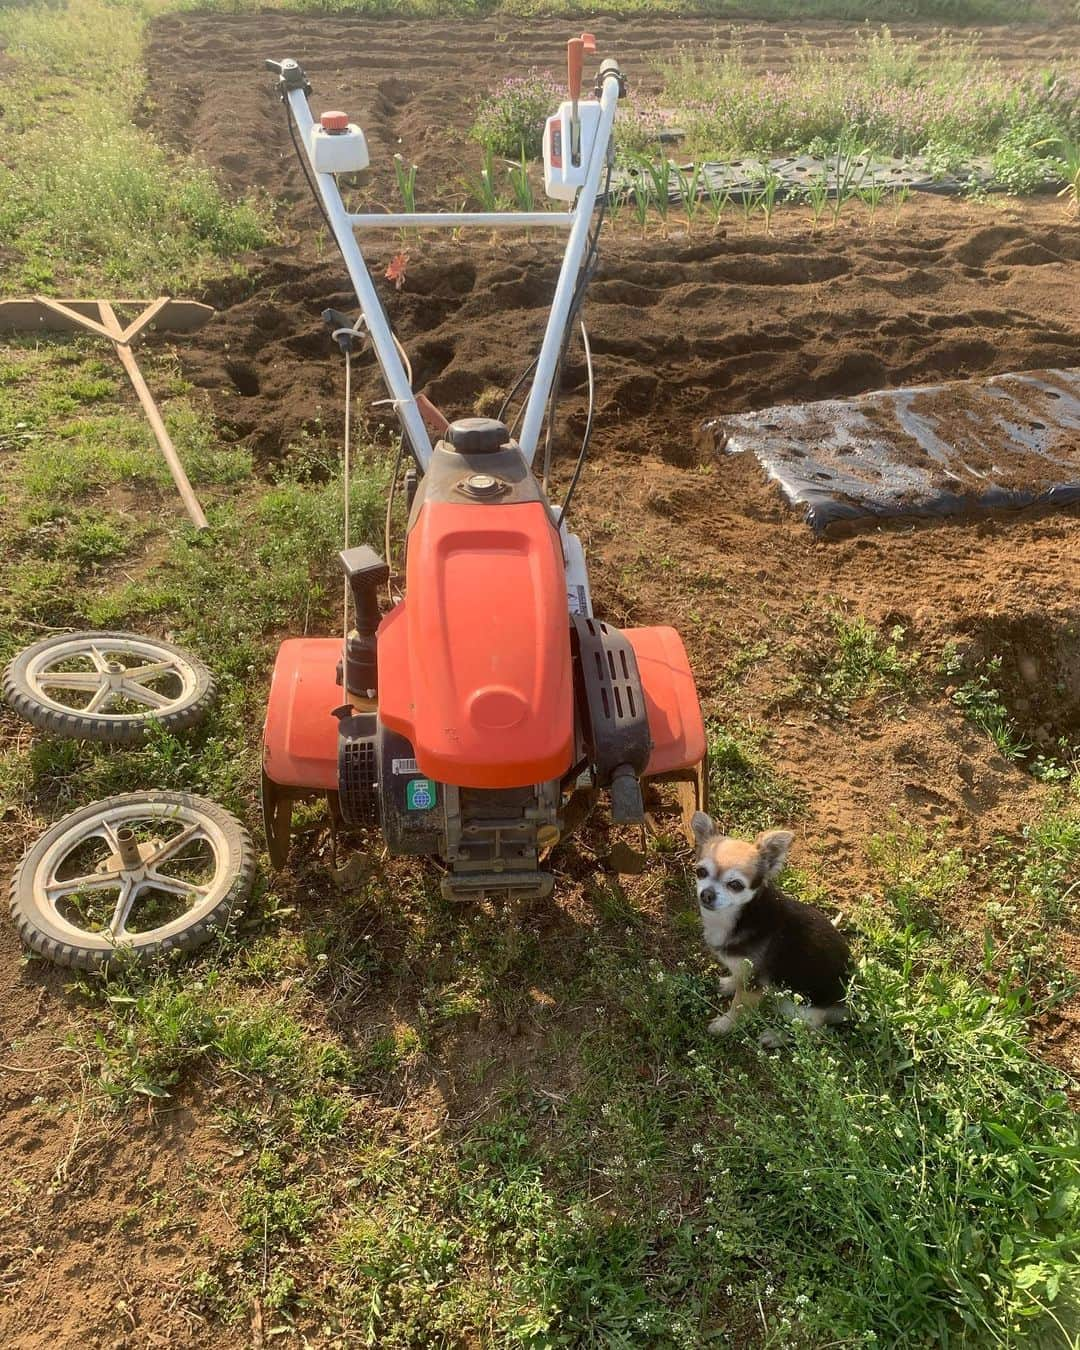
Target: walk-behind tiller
{"x": 477, "y": 721}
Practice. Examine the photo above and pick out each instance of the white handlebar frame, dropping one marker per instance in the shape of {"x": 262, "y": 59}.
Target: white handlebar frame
{"x": 577, "y": 221}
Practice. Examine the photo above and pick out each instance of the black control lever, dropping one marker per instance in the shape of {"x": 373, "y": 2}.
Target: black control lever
{"x": 290, "y": 73}
{"x": 609, "y": 70}
{"x": 335, "y": 322}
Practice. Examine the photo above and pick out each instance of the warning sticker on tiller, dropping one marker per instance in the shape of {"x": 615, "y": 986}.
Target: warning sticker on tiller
{"x": 420, "y": 794}
{"x": 404, "y": 765}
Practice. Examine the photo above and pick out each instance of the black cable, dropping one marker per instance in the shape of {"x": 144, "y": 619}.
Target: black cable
{"x": 586, "y": 438}
{"x": 291, "y": 121}
{"x": 588, "y": 266}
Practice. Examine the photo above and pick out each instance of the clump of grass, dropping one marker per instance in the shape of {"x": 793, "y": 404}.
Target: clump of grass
{"x": 690, "y": 192}
{"x": 660, "y": 175}
{"x": 768, "y": 197}
{"x": 483, "y": 188}
{"x": 1048, "y": 866}
{"x": 745, "y": 792}
{"x": 919, "y": 874}
{"x": 848, "y": 164}
{"x": 979, "y": 699}
{"x": 719, "y": 200}
{"x": 817, "y": 196}
{"x": 1070, "y": 159}
{"x": 1025, "y": 156}
{"x": 521, "y": 188}
{"x": 406, "y": 183}
{"x": 864, "y": 664}
{"x": 510, "y": 121}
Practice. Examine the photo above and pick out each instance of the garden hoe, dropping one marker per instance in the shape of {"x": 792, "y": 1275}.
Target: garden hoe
{"x": 477, "y": 722}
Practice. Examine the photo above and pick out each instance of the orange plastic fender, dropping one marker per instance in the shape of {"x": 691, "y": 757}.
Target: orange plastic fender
{"x": 300, "y": 734}
{"x": 671, "y": 700}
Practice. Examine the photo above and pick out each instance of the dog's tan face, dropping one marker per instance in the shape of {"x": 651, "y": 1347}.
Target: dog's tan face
{"x": 732, "y": 871}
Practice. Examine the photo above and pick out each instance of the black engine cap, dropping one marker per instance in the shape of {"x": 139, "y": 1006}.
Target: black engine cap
{"x": 477, "y": 435}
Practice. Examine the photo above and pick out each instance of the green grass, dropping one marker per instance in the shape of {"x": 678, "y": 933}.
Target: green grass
{"x": 85, "y": 196}
{"x": 910, "y": 1181}
{"x": 861, "y": 665}
{"x": 979, "y": 697}
{"x": 746, "y": 795}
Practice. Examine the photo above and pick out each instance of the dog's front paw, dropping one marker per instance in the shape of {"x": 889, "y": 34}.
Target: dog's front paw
{"x": 720, "y": 1026}
{"x": 772, "y": 1040}
{"x": 727, "y": 984}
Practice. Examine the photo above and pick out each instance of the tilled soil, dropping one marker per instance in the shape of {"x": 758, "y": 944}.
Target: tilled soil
{"x": 413, "y": 84}
{"x": 683, "y": 328}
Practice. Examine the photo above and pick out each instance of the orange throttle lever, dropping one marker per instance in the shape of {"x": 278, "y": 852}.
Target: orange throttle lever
{"x": 575, "y": 62}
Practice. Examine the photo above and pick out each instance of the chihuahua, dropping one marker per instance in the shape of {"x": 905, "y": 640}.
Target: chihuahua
{"x": 763, "y": 937}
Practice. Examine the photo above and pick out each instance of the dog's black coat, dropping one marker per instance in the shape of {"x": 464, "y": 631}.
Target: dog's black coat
{"x": 792, "y": 945}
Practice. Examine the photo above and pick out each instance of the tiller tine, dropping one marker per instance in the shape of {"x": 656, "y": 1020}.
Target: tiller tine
{"x": 277, "y": 804}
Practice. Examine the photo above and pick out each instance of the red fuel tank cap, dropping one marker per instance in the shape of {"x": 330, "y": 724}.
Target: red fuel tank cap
{"x": 334, "y": 121}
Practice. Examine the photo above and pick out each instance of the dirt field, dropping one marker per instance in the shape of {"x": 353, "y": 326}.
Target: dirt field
{"x": 683, "y": 328}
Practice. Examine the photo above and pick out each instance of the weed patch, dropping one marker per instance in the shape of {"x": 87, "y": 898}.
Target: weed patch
{"x": 888, "y": 97}
{"x": 510, "y": 121}
{"x": 863, "y": 665}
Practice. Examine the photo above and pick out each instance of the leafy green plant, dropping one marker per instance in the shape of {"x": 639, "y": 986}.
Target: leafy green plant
{"x": 482, "y": 188}
{"x": 406, "y": 183}
{"x": 661, "y": 174}
{"x": 521, "y": 187}
{"x": 510, "y": 121}
{"x": 980, "y": 700}
{"x": 719, "y": 199}
{"x": 863, "y": 664}
{"x": 848, "y": 163}
{"x": 768, "y": 197}
{"x": 871, "y": 196}
{"x": 690, "y": 192}
{"x": 639, "y": 186}
{"x": 1024, "y": 158}
{"x": 817, "y": 196}
{"x": 1070, "y": 162}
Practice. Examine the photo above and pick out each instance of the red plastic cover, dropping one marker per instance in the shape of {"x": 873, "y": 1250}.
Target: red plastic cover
{"x": 674, "y": 710}
{"x": 300, "y": 736}
{"x": 475, "y": 667}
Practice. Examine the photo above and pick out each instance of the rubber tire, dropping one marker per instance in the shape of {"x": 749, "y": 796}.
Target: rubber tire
{"x": 35, "y": 928}
{"x": 21, "y": 698}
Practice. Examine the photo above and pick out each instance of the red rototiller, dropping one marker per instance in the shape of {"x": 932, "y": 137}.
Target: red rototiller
{"x": 478, "y": 720}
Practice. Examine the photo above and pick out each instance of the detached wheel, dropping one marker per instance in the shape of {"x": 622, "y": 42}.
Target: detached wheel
{"x": 142, "y": 874}
{"x": 107, "y": 686}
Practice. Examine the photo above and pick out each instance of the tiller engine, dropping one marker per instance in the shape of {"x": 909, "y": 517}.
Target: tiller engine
{"x": 477, "y": 721}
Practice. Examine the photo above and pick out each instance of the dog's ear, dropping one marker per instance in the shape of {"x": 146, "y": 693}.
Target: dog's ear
{"x": 703, "y": 827}
{"x": 772, "y": 846}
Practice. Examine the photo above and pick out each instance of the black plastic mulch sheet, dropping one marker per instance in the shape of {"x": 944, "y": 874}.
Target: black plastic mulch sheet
{"x": 963, "y": 448}
{"x": 743, "y": 178}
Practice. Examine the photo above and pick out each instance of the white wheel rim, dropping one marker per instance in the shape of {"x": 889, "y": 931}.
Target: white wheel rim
{"x": 109, "y": 678}
{"x": 187, "y": 825}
